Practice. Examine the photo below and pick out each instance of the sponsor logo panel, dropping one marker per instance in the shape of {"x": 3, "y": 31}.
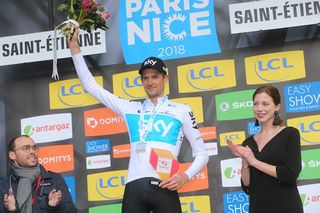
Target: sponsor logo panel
{"x": 167, "y": 30}
{"x": 121, "y": 151}
{"x": 96, "y": 146}
{"x": 199, "y": 204}
{"x": 236, "y": 202}
{"x": 302, "y": 97}
{"x": 208, "y": 133}
{"x": 48, "y": 128}
{"x": 103, "y": 121}
{"x": 198, "y": 182}
{"x": 275, "y": 67}
{"x": 70, "y": 94}
{"x": 309, "y": 127}
{"x": 236, "y": 137}
{"x": 195, "y": 103}
{"x": 230, "y": 172}
{"x": 106, "y": 185}
{"x": 310, "y": 197}
{"x": 128, "y": 85}
{"x": 98, "y": 161}
{"x": 253, "y": 129}
{"x": 58, "y": 158}
{"x": 310, "y": 164}
{"x": 206, "y": 76}
{"x": 234, "y": 105}
{"x": 212, "y": 148}
{"x": 112, "y": 208}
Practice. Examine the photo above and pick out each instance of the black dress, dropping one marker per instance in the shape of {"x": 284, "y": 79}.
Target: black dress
{"x": 276, "y": 195}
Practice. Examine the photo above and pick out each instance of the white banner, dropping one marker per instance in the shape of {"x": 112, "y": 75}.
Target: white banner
{"x": 230, "y": 172}
{"x": 39, "y": 46}
{"x": 310, "y": 195}
{"x": 98, "y": 162}
{"x": 273, "y": 14}
{"x": 48, "y": 128}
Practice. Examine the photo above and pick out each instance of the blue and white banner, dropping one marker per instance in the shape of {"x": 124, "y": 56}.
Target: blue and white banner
{"x": 167, "y": 30}
{"x": 96, "y": 146}
{"x": 235, "y": 202}
{"x": 302, "y": 97}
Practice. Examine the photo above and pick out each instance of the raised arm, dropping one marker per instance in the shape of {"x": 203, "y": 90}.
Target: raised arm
{"x": 73, "y": 43}
{"x": 89, "y": 83}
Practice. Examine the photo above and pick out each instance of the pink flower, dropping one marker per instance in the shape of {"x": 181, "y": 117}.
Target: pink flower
{"x": 86, "y": 4}
{"x": 95, "y": 5}
{"x": 91, "y": 15}
{"x": 104, "y": 15}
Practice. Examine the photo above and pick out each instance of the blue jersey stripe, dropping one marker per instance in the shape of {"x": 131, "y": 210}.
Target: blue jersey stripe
{"x": 164, "y": 129}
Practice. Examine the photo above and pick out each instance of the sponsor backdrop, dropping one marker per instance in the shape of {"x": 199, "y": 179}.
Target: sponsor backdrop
{"x": 217, "y": 53}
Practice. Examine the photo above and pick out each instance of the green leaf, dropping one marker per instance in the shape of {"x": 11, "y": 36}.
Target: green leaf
{"x": 63, "y": 7}
{"x": 27, "y": 130}
{"x": 88, "y": 20}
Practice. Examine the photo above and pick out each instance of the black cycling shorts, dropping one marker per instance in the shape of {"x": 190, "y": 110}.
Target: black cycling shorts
{"x": 145, "y": 196}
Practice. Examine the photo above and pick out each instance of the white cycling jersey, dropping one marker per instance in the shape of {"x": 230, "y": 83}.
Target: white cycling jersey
{"x": 172, "y": 122}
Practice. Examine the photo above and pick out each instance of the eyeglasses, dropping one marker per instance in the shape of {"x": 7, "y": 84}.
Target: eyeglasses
{"x": 27, "y": 148}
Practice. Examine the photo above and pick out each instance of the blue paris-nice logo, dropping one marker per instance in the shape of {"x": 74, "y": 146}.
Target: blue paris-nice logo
{"x": 167, "y": 29}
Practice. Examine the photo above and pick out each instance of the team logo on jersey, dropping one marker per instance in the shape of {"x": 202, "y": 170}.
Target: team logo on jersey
{"x": 193, "y": 120}
{"x": 164, "y": 128}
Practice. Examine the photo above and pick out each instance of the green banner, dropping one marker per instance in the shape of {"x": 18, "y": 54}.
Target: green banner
{"x": 234, "y": 105}
{"x": 310, "y": 164}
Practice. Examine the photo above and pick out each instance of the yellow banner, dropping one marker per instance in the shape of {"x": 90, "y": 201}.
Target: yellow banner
{"x": 106, "y": 185}
{"x": 206, "y": 76}
{"x": 70, "y": 94}
{"x": 195, "y": 104}
{"x": 275, "y": 67}
{"x": 309, "y": 127}
{"x": 199, "y": 204}
{"x": 236, "y": 137}
{"x": 128, "y": 85}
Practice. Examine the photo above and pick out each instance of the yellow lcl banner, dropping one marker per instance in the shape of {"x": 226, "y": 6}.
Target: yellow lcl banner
{"x": 309, "y": 127}
{"x": 195, "y": 103}
{"x": 236, "y": 137}
{"x": 200, "y": 204}
{"x": 275, "y": 67}
{"x": 206, "y": 76}
{"x": 106, "y": 185}
{"x": 70, "y": 94}
{"x": 128, "y": 85}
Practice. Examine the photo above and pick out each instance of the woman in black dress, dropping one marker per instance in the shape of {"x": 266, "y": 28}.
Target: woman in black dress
{"x": 271, "y": 159}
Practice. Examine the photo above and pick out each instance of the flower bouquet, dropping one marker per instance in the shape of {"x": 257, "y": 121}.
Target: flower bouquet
{"x": 88, "y": 15}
